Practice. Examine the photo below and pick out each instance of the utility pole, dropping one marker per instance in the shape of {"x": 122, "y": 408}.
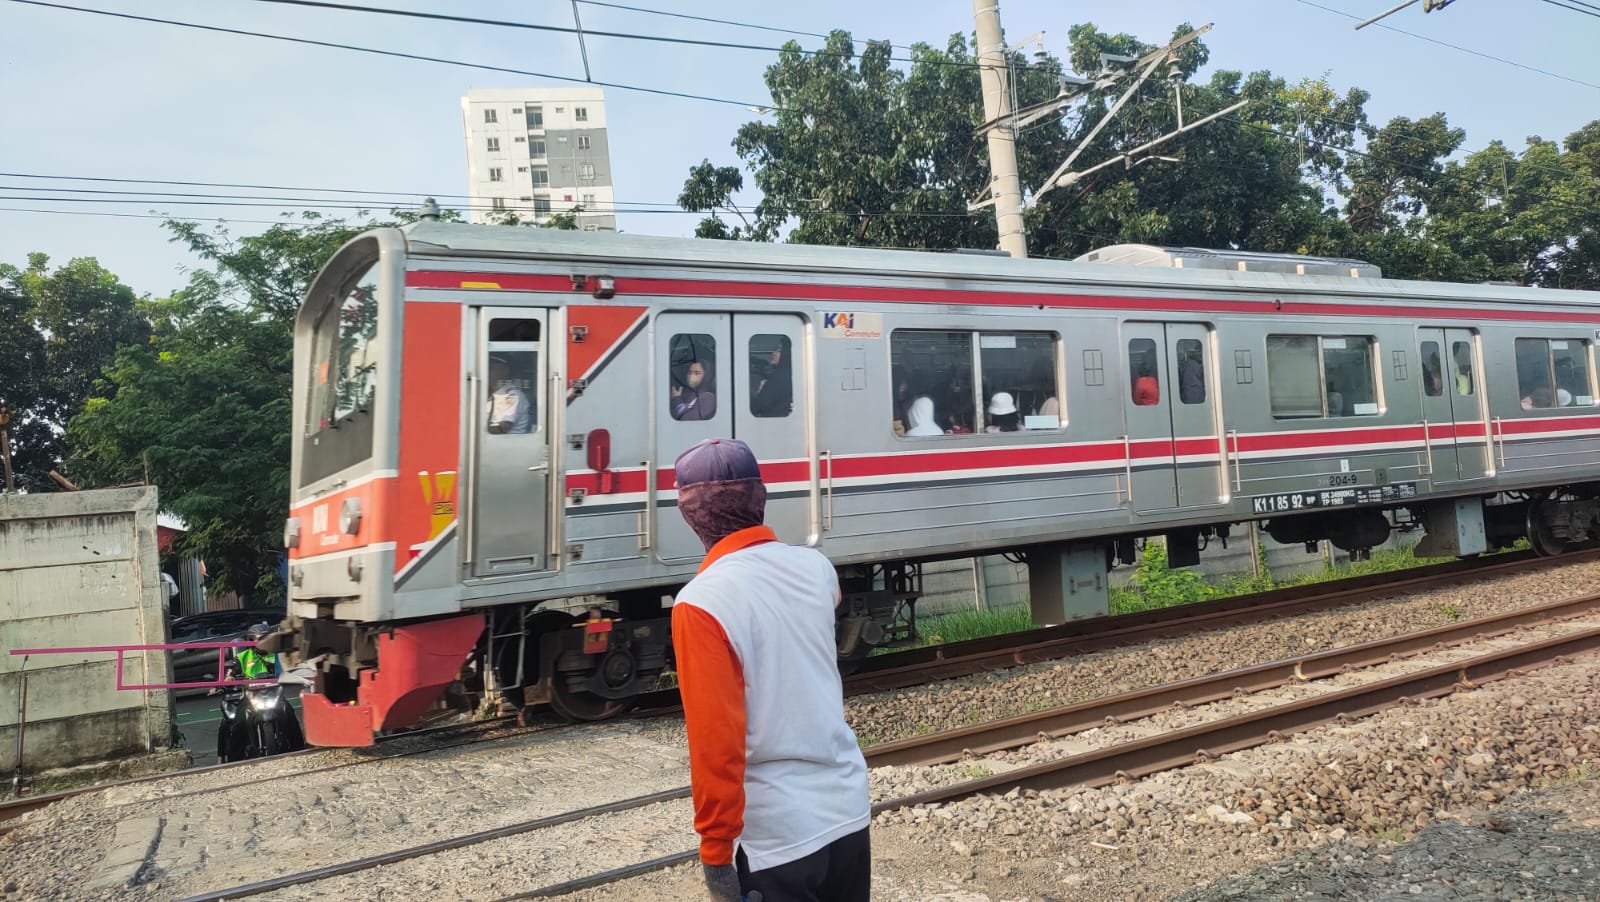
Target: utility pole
{"x": 1005, "y": 188}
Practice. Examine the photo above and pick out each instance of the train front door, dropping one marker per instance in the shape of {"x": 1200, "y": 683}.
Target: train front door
{"x": 509, "y": 446}
{"x": 1455, "y": 442}
{"x": 734, "y": 375}
{"x": 1171, "y": 417}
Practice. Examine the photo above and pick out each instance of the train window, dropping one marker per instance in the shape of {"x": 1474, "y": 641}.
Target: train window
{"x": 771, "y": 376}
{"x": 1327, "y": 376}
{"x": 1191, "y": 371}
{"x": 513, "y": 384}
{"x": 1432, "y": 370}
{"x": 1461, "y": 367}
{"x": 1017, "y": 379}
{"x": 931, "y": 378}
{"x": 1144, "y": 377}
{"x": 1094, "y": 367}
{"x": 692, "y": 386}
{"x": 1347, "y": 370}
{"x": 1553, "y": 372}
{"x": 346, "y": 379}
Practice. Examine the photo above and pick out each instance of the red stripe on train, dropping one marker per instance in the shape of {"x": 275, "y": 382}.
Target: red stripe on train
{"x": 492, "y": 281}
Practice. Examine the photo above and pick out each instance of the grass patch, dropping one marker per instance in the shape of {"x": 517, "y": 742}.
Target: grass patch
{"x": 1156, "y": 584}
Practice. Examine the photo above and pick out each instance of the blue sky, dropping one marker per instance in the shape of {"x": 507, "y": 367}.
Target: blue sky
{"x": 88, "y": 95}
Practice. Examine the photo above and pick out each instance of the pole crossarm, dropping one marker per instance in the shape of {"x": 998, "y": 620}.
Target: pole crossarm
{"x": 1128, "y": 156}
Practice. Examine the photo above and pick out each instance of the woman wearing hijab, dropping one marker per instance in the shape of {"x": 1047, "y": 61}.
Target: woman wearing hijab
{"x": 694, "y": 400}
{"x": 921, "y": 417}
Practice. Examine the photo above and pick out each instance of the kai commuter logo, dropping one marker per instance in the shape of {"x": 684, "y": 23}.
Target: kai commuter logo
{"x": 852, "y": 325}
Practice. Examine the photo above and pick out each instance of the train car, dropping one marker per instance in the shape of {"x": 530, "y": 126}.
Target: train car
{"x": 486, "y": 419}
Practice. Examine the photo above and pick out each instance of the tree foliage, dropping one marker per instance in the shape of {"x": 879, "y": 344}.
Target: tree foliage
{"x": 58, "y": 331}
{"x": 203, "y": 407}
{"x": 861, "y": 150}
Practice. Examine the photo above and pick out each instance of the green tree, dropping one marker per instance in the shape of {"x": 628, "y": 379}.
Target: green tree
{"x": 204, "y": 406}
{"x": 60, "y": 329}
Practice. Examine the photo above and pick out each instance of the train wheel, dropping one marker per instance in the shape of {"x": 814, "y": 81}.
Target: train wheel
{"x": 617, "y": 668}
{"x": 1542, "y": 534}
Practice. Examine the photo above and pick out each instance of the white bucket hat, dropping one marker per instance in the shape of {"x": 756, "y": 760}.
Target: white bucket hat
{"x": 1001, "y": 404}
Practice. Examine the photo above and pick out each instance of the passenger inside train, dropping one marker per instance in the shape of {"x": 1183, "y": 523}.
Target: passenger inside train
{"x": 693, "y": 392}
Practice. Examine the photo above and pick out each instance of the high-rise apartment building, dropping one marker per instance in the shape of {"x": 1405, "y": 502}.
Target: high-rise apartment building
{"x": 536, "y": 152}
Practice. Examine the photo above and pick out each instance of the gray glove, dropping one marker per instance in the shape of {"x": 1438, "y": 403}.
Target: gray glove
{"x": 722, "y": 882}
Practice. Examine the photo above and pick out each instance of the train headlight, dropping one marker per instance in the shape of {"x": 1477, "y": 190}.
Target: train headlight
{"x": 604, "y": 287}
{"x": 291, "y": 533}
{"x": 350, "y": 516}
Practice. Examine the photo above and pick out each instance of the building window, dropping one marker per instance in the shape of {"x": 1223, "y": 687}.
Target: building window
{"x": 519, "y": 139}
{"x": 1312, "y": 376}
{"x": 591, "y": 227}
{"x": 536, "y": 148}
{"x": 493, "y": 145}
{"x": 489, "y": 117}
{"x": 541, "y": 206}
{"x": 522, "y": 169}
{"x": 771, "y": 380}
{"x": 958, "y": 383}
{"x": 496, "y": 174}
{"x": 498, "y": 204}
{"x": 1553, "y": 372}
{"x": 516, "y": 111}
{"x": 580, "y": 113}
{"x": 586, "y": 172}
{"x": 535, "y": 117}
{"x": 588, "y": 200}
{"x": 541, "y": 178}
{"x": 583, "y": 142}
{"x": 526, "y": 197}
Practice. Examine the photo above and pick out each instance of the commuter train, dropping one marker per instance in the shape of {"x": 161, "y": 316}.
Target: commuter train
{"x": 486, "y": 420}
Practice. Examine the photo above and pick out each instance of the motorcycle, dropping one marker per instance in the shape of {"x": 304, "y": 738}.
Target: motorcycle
{"x": 257, "y": 721}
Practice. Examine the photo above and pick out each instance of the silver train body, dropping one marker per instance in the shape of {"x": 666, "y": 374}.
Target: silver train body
{"x": 486, "y": 419}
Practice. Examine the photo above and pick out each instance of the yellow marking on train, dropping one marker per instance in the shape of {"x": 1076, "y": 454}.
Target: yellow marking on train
{"x": 480, "y": 284}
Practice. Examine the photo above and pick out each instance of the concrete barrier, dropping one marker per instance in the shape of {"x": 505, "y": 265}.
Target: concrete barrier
{"x": 80, "y": 568}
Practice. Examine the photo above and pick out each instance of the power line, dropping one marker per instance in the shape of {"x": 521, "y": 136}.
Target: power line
{"x": 1477, "y": 53}
{"x": 584, "y": 32}
{"x": 390, "y": 53}
{"x": 1580, "y": 8}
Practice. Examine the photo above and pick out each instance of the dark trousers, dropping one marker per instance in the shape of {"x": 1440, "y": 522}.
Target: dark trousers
{"x": 841, "y": 871}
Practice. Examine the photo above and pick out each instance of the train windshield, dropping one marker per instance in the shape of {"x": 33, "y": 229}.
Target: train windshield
{"x": 343, "y": 373}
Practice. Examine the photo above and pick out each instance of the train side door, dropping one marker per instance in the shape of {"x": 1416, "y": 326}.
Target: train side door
{"x": 771, "y": 413}
{"x": 1454, "y": 375}
{"x": 1171, "y": 416}
{"x": 1438, "y": 420}
{"x": 510, "y": 443}
{"x": 691, "y": 396}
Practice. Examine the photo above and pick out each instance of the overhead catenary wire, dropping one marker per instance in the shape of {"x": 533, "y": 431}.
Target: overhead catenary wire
{"x": 1575, "y": 6}
{"x": 1469, "y": 50}
{"x": 336, "y": 45}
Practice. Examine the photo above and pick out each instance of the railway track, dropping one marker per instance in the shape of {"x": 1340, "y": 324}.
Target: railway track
{"x": 913, "y": 667}
{"x": 1121, "y": 761}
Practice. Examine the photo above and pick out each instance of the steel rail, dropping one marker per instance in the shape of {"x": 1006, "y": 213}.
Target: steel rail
{"x": 1052, "y": 643}
{"x": 1014, "y": 732}
{"x": 11, "y": 808}
{"x": 1194, "y": 745}
{"x": 1204, "y": 742}
{"x": 1119, "y": 762}
{"x": 433, "y": 848}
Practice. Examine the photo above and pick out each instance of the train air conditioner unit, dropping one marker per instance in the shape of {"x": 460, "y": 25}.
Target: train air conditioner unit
{"x": 1231, "y": 261}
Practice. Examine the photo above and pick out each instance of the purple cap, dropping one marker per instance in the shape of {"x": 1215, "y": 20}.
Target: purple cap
{"x": 716, "y": 460}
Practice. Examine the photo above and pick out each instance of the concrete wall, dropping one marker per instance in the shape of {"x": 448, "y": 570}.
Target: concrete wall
{"x": 948, "y": 585}
{"x": 79, "y": 568}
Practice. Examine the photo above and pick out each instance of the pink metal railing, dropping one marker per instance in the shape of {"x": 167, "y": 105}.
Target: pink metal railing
{"x": 122, "y": 650}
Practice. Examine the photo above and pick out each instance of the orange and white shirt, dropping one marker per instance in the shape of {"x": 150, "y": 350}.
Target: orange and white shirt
{"x": 774, "y": 767}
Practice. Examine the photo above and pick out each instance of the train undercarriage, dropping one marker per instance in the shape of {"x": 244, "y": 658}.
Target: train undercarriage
{"x": 591, "y": 658}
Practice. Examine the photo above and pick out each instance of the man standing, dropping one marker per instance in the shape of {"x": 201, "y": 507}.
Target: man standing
{"x": 779, "y": 783}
